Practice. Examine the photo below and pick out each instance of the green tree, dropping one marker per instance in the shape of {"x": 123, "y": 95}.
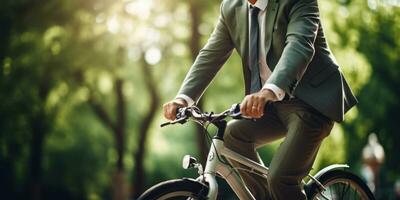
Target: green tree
{"x": 373, "y": 29}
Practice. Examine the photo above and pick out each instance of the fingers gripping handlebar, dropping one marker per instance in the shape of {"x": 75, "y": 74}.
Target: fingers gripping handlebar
{"x": 181, "y": 117}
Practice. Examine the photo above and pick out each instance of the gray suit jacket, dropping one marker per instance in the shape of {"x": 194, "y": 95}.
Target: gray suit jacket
{"x": 297, "y": 54}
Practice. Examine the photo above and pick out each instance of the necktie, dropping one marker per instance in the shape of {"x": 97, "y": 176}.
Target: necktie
{"x": 254, "y": 42}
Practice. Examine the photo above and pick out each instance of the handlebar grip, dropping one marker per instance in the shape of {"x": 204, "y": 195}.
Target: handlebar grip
{"x": 235, "y": 109}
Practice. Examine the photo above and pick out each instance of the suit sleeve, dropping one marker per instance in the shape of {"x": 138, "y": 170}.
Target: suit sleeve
{"x": 209, "y": 61}
{"x": 299, "y": 46}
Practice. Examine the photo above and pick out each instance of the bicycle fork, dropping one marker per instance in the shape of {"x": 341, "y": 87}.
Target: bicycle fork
{"x": 215, "y": 165}
{"x": 211, "y": 168}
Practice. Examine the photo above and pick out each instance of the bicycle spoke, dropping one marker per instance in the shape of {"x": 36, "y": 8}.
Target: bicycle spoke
{"x": 355, "y": 194}
{"x": 343, "y": 191}
{"x": 340, "y": 191}
{"x": 348, "y": 187}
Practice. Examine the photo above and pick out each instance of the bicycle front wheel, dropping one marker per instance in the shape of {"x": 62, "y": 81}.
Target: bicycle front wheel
{"x": 340, "y": 185}
{"x": 176, "y": 190}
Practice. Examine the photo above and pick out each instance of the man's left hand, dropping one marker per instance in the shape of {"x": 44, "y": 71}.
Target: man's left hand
{"x": 253, "y": 104}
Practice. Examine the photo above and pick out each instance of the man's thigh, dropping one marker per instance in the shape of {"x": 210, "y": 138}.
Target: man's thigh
{"x": 244, "y": 136}
{"x": 258, "y": 132}
{"x": 306, "y": 128}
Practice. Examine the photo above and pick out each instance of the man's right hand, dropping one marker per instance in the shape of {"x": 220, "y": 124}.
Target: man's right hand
{"x": 171, "y": 107}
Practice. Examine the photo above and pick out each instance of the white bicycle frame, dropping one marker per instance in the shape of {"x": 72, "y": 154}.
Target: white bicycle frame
{"x": 214, "y": 166}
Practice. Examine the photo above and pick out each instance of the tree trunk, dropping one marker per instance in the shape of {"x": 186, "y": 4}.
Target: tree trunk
{"x": 38, "y": 130}
{"x": 195, "y": 14}
{"x": 119, "y": 187}
{"x": 39, "y": 126}
{"x": 119, "y": 131}
{"x": 138, "y": 182}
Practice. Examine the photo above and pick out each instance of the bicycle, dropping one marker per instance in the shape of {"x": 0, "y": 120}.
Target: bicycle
{"x": 331, "y": 183}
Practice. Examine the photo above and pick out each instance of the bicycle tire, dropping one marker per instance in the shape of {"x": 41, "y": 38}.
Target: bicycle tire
{"x": 343, "y": 180}
{"x": 176, "y": 189}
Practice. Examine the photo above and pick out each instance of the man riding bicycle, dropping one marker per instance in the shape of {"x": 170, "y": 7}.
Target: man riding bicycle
{"x": 293, "y": 87}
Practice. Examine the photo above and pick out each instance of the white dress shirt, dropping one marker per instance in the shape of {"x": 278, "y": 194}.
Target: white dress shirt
{"x": 265, "y": 72}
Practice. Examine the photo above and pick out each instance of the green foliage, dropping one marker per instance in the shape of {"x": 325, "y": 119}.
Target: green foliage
{"x": 379, "y": 42}
{"x": 372, "y": 31}
{"x": 80, "y": 150}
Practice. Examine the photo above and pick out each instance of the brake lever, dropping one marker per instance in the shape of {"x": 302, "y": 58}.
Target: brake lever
{"x": 180, "y": 121}
{"x": 240, "y": 116}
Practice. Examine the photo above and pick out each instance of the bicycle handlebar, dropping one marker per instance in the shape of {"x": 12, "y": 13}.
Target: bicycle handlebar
{"x": 192, "y": 112}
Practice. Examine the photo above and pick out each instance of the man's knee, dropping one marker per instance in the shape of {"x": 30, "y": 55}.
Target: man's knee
{"x": 235, "y": 136}
{"x": 232, "y": 131}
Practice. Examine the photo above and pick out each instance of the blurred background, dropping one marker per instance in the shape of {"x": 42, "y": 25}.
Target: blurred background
{"x": 82, "y": 85}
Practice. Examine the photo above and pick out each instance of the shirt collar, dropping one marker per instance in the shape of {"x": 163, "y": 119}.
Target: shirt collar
{"x": 261, "y": 4}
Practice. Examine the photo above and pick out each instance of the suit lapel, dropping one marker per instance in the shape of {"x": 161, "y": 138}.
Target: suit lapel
{"x": 242, "y": 20}
{"x": 272, "y": 10}
{"x": 243, "y": 28}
